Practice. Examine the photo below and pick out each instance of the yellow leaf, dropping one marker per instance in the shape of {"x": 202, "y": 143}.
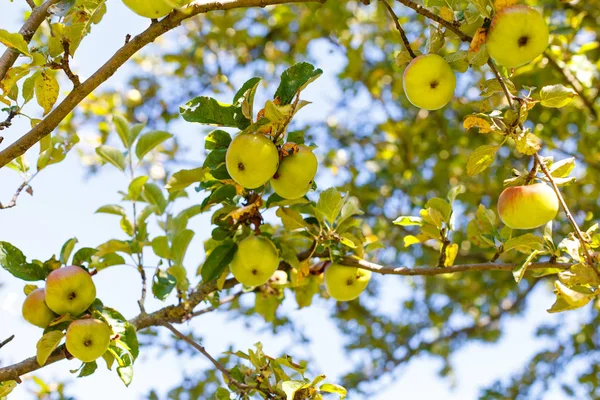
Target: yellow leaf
{"x": 46, "y": 91}
{"x": 477, "y": 122}
{"x": 500, "y": 4}
{"x": 447, "y": 14}
{"x": 479, "y": 38}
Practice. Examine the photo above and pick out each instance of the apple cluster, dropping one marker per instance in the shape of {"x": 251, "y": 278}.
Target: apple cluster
{"x": 69, "y": 291}
{"x": 516, "y": 36}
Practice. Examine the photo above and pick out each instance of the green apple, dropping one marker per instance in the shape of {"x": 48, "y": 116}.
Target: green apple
{"x": 36, "y": 311}
{"x": 527, "y": 207}
{"x": 295, "y": 174}
{"x": 255, "y": 260}
{"x": 251, "y": 160}
{"x": 517, "y": 35}
{"x": 154, "y": 8}
{"x": 429, "y": 82}
{"x": 88, "y": 339}
{"x": 70, "y": 290}
{"x": 346, "y": 283}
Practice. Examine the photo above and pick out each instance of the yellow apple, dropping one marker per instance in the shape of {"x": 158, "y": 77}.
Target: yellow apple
{"x": 517, "y": 35}
{"x": 429, "y": 82}
{"x": 255, "y": 261}
{"x": 70, "y": 290}
{"x": 346, "y": 283}
{"x": 36, "y": 311}
{"x": 295, "y": 174}
{"x": 88, "y": 339}
{"x": 154, "y": 8}
{"x": 527, "y": 207}
{"x": 251, "y": 160}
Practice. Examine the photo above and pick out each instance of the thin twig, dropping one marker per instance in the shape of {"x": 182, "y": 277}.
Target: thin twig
{"x": 230, "y": 379}
{"x": 14, "y": 111}
{"x": 588, "y": 255}
{"x": 13, "y": 201}
{"x": 226, "y": 300}
{"x": 499, "y": 78}
{"x": 399, "y": 27}
{"x": 7, "y": 341}
{"x": 452, "y": 26}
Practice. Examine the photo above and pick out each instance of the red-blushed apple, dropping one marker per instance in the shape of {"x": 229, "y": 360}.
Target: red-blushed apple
{"x": 527, "y": 207}
{"x": 88, "y": 339}
{"x": 36, "y": 311}
{"x": 517, "y": 35}
{"x": 255, "y": 261}
{"x": 154, "y": 8}
{"x": 429, "y": 82}
{"x": 251, "y": 160}
{"x": 295, "y": 174}
{"x": 346, "y": 283}
{"x": 70, "y": 290}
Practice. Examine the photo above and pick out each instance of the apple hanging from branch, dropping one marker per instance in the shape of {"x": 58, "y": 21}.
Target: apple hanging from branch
{"x": 527, "y": 207}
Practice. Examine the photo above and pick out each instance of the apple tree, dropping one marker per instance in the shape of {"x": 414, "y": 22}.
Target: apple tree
{"x": 458, "y": 161}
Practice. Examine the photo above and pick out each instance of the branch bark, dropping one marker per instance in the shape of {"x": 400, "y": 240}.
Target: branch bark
{"x": 155, "y": 30}
{"x": 38, "y": 15}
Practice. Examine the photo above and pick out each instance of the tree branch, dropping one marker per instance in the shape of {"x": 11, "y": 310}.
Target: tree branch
{"x": 155, "y": 30}
{"x": 7, "y": 341}
{"x": 399, "y": 27}
{"x": 572, "y": 80}
{"x": 38, "y": 15}
{"x": 13, "y": 201}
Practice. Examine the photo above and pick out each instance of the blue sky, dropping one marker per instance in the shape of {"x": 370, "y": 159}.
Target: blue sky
{"x": 63, "y": 206}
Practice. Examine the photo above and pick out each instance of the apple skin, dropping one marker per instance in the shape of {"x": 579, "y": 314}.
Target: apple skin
{"x": 346, "y": 283}
{"x": 527, "y": 207}
{"x": 517, "y": 35}
{"x": 36, "y": 311}
{"x": 255, "y": 261}
{"x": 154, "y": 8}
{"x": 70, "y": 290}
{"x": 295, "y": 174}
{"x": 88, "y": 339}
{"x": 251, "y": 160}
{"x": 429, "y": 82}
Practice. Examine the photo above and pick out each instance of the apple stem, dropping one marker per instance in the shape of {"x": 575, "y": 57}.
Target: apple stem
{"x": 399, "y": 27}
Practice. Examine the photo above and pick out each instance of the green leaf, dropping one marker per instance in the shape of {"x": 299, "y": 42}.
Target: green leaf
{"x": 6, "y": 388}
{"x": 330, "y": 204}
{"x": 13, "y": 260}
{"x": 407, "y": 220}
{"x": 88, "y": 369}
{"x": 180, "y": 244}
{"x": 180, "y": 275}
{"x": 160, "y": 246}
{"x": 149, "y": 141}
{"x": 519, "y": 271}
{"x": 122, "y": 128}
{"x": 114, "y": 209}
{"x": 291, "y": 219}
{"x": 440, "y": 205}
{"x": 291, "y": 387}
{"x": 46, "y": 91}
{"x": 66, "y": 250}
{"x": 215, "y": 158}
{"x": 122, "y": 327}
{"x": 332, "y": 388}
{"x": 217, "y": 261}
{"x": 266, "y": 305}
{"x": 349, "y": 209}
{"x": 217, "y": 139}
{"x": 556, "y": 96}
{"x": 294, "y": 80}
{"x": 126, "y": 374}
{"x": 47, "y": 344}
{"x": 107, "y": 260}
{"x": 14, "y": 41}
{"x": 112, "y": 155}
{"x": 83, "y": 255}
{"x": 163, "y": 284}
{"x": 525, "y": 243}
{"x": 562, "y": 168}
{"x": 153, "y": 195}
{"x": 184, "y": 178}
{"x": 206, "y": 110}
{"x": 136, "y": 187}
{"x": 245, "y": 97}
{"x": 528, "y": 144}
{"x": 481, "y": 159}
